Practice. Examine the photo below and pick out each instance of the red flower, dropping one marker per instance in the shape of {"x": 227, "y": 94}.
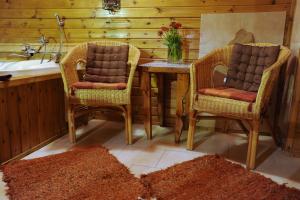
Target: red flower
{"x": 178, "y": 25}
{"x": 164, "y": 29}
{"x": 175, "y": 25}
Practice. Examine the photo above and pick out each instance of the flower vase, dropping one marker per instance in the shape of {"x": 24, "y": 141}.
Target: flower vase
{"x": 175, "y": 53}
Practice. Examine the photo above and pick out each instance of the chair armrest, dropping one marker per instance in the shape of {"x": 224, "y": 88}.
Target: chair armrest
{"x": 201, "y": 70}
{"x": 268, "y": 81}
{"x": 68, "y": 66}
{"x": 132, "y": 61}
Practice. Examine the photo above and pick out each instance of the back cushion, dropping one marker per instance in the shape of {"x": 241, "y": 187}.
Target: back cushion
{"x": 247, "y": 65}
{"x": 106, "y": 64}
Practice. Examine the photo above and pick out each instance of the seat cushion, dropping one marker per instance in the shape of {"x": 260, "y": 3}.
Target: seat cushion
{"x": 92, "y": 85}
{"x": 247, "y": 65}
{"x": 106, "y": 64}
{"x": 230, "y": 93}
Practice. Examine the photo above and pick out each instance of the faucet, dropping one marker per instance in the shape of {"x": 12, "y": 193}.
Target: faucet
{"x": 61, "y": 24}
{"x": 28, "y": 52}
{"x": 43, "y": 40}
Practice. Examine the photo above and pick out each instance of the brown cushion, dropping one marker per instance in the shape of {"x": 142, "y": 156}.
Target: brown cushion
{"x": 106, "y": 64}
{"x": 247, "y": 65}
{"x": 230, "y": 93}
{"x": 91, "y": 85}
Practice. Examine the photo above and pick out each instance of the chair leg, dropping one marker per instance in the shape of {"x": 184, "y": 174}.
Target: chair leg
{"x": 126, "y": 125}
{"x": 226, "y": 126}
{"x": 252, "y": 145}
{"x": 85, "y": 120}
{"x": 129, "y": 124}
{"x": 71, "y": 124}
{"x": 191, "y": 131}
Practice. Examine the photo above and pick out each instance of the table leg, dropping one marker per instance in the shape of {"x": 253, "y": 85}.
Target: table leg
{"x": 187, "y": 105}
{"x": 182, "y": 90}
{"x": 146, "y": 88}
{"x": 160, "y": 85}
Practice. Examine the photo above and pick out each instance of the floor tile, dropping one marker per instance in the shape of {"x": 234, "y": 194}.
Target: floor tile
{"x": 139, "y": 170}
{"x": 217, "y": 143}
{"x": 281, "y": 165}
{"x": 238, "y": 148}
{"x": 170, "y": 158}
{"x": 145, "y": 156}
{"x": 55, "y": 147}
{"x": 2, "y": 188}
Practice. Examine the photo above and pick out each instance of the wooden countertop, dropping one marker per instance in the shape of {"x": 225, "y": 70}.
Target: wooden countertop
{"x": 31, "y": 76}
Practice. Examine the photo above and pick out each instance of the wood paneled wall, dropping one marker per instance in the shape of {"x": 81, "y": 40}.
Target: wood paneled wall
{"x": 137, "y": 22}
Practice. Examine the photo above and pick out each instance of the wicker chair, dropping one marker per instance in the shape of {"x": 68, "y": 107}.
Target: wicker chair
{"x": 120, "y": 99}
{"x": 229, "y": 108}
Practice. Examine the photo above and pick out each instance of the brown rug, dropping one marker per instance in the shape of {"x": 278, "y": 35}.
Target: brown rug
{"x": 212, "y": 177}
{"x": 92, "y": 174}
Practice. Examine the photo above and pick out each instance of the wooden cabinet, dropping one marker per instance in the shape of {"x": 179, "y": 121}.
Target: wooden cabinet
{"x": 31, "y": 115}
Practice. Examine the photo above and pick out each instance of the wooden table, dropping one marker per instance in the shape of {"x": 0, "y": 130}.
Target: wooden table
{"x": 182, "y": 91}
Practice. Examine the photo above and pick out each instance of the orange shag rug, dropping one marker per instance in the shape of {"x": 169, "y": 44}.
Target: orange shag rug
{"x": 90, "y": 173}
{"x": 94, "y": 174}
{"x": 214, "y": 178}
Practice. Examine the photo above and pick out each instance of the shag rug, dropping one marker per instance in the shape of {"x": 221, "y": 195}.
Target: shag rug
{"x": 212, "y": 177}
{"x": 91, "y": 173}
{"x": 94, "y": 174}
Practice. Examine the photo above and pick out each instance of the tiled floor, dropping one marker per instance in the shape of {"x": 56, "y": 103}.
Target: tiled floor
{"x": 145, "y": 156}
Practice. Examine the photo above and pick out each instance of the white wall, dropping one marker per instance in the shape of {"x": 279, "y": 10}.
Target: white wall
{"x": 219, "y": 29}
{"x": 295, "y": 40}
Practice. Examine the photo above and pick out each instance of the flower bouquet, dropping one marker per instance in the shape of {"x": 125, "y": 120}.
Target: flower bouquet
{"x": 172, "y": 39}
